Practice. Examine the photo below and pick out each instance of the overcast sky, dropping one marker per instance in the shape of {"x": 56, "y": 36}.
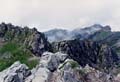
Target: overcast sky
{"x": 68, "y": 14}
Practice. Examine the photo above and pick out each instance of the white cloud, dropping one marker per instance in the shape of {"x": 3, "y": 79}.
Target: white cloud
{"x": 68, "y": 14}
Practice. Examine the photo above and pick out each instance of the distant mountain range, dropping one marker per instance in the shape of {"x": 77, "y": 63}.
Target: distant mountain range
{"x": 56, "y": 35}
{"x": 96, "y": 32}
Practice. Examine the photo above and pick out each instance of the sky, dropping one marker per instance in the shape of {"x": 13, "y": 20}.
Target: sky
{"x": 65, "y": 14}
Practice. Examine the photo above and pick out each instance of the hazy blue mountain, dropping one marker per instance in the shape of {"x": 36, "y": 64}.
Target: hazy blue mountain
{"x": 56, "y": 35}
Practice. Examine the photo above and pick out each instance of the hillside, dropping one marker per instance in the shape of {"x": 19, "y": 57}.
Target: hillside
{"x": 23, "y": 44}
{"x": 107, "y": 37}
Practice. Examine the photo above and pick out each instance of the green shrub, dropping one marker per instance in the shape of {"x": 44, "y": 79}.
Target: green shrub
{"x": 74, "y": 64}
{"x": 18, "y": 53}
{"x": 8, "y": 47}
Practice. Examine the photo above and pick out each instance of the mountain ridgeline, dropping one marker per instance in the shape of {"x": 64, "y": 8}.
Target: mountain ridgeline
{"x": 95, "y": 54}
{"x": 57, "y": 35}
{"x": 29, "y": 38}
{"x": 96, "y": 32}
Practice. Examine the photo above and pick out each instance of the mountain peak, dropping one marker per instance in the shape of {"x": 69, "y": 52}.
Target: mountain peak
{"x": 97, "y": 25}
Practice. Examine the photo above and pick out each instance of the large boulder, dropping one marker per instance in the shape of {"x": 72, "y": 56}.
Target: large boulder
{"x": 39, "y": 74}
{"x": 49, "y": 63}
{"x": 16, "y": 73}
{"x": 51, "y": 60}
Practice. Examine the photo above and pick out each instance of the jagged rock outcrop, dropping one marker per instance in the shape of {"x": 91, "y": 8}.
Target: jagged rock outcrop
{"x": 65, "y": 70}
{"x": 49, "y": 62}
{"x": 107, "y": 37}
{"x": 75, "y": 73}
{"x": 85, "y": 52}
{"x": 52, "y": 61}
{"x": 15, "y": 73}
{"x": 30, "y": 38}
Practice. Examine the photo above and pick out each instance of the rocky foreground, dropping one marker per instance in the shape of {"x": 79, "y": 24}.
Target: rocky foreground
{"x": 55, "y": 68}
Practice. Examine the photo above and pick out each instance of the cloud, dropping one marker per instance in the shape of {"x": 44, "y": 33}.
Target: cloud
{"x": 68, "y": 14}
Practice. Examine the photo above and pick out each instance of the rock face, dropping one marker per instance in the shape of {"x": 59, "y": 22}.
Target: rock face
{"x": 78, "y": 74}
{"x": 30, "y": 38}
{"x": 107, "y": 37}
{"x": 52, "y": 61}
{"x": 39, "y": 44}
{"x": 88, "y": 52}
{"x": 49, "y": 62}
{"x": 16, "y": 73}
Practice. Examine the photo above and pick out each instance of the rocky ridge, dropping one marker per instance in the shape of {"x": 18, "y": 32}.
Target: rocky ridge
{"x": 65, "y": 70}
{"x": 21, "y": 44}
{"x": 30, "y": 38}
{"x": 108, "y": 37}
{"x": 95, "y": 54}
{"x": 15, "y": 73}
